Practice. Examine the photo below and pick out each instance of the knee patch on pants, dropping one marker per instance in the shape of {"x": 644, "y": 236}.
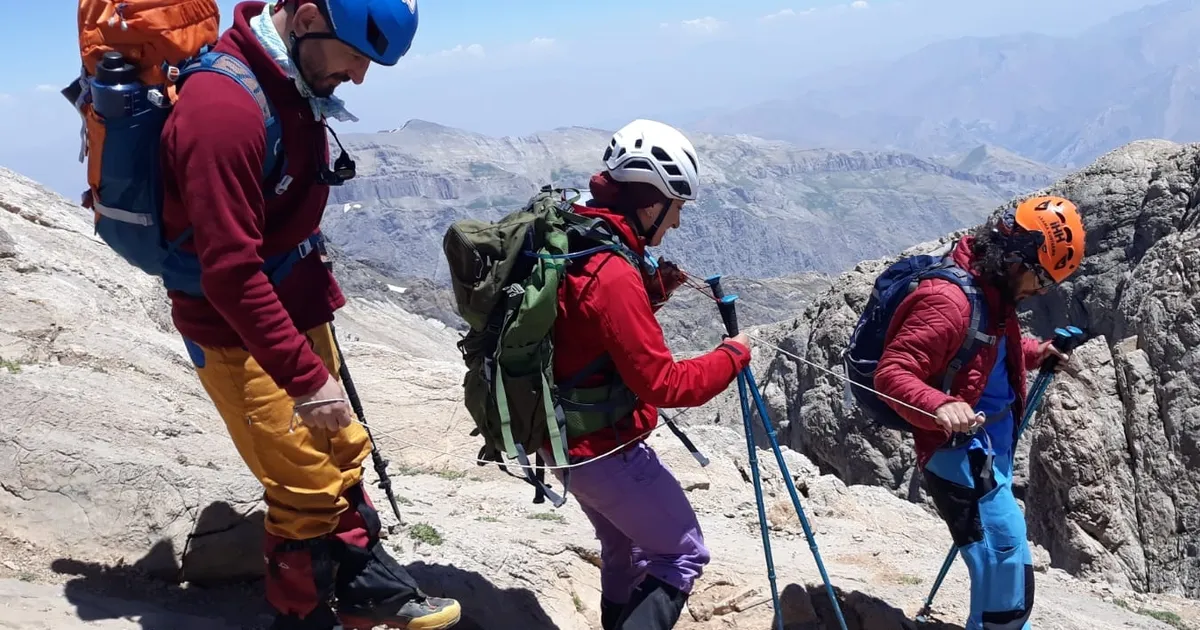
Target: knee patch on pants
{"x": 958, "y": 504}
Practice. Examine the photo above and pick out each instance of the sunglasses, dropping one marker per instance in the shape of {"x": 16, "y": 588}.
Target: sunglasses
{"x": 1045, "y": 282}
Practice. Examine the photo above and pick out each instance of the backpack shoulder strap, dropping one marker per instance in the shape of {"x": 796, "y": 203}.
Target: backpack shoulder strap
{"x": 234, "y": 68}
{"x": 975, "y": 337}
{"x": 597, "y": 231}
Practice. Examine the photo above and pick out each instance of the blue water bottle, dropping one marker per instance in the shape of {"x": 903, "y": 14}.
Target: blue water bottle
{"x": 115, "y": 88}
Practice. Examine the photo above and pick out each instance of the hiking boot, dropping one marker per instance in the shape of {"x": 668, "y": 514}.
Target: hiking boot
{"x": 655, "y": 605}
{"x": 430, "y": 613}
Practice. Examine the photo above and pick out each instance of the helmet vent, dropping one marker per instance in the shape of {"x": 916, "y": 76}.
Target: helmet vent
{"x": 637, "y": 144}
{"x": 660, "y": 155}
{"x": 639, "y": 164}
{"x": 607, "y": 153}
{"x": 681, "y": 187}
{"x": 375, "y": 35}
{"x": 671, "y": 169}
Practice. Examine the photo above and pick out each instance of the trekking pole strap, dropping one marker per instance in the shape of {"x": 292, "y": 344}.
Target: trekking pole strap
{"x": 687, "y": 442}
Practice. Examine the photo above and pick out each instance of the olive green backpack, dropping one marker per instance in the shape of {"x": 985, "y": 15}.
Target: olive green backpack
{"x": 506, "y": 277}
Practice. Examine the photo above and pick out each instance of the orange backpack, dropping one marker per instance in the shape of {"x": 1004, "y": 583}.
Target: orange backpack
{"x": 135, "y": 55}
{"x": 151, "y": 35}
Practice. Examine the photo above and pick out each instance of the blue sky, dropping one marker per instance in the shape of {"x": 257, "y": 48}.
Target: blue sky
{"x": 517, "y": 67}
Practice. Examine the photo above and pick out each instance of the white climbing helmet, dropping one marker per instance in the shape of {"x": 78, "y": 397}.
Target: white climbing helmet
{"x": 653, "y": 153}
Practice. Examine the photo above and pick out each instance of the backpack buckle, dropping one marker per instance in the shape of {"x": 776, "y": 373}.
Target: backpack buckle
{"x": 305, "y": 248}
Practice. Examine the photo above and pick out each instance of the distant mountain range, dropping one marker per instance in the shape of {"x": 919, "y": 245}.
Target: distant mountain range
{"x": 1055, "y": 100}
{"x": 766, "y": 208}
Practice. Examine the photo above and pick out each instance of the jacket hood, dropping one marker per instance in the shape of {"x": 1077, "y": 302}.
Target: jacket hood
{"x": 619, "y": 223}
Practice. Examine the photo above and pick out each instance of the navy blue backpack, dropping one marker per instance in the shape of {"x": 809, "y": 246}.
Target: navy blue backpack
{"x": 861, "y": 357}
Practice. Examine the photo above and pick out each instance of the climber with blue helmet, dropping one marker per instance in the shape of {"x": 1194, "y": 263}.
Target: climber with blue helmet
{"x": 246, "y": 178}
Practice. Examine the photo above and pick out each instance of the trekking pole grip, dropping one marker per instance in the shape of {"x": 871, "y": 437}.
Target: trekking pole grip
{"x": 726, "y": 304}
{"x": 1065, "y": 340}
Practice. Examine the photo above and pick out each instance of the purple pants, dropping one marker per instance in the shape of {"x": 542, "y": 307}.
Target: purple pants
{"x": 643, "y": 520}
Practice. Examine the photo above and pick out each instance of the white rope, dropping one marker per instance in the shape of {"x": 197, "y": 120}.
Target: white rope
{"x": 513, "y": 463}
{"x": 837, "y": 376}
{"x": 507, "y": 462}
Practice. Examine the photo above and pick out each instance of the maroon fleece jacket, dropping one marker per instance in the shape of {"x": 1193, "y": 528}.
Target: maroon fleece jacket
{"x": 213, "y": 149}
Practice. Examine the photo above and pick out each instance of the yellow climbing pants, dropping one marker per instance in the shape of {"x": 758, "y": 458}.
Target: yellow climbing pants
{"x": 304, "y": 472}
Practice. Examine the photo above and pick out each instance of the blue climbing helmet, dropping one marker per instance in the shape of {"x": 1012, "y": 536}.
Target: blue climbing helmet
{"x": 381, "y": 30}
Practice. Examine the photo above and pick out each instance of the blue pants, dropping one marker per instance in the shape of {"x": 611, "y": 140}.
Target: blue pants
{"x": 973, "y": 493}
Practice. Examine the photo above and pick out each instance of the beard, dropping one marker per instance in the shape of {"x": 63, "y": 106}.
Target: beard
{"x": 314, "y": 72}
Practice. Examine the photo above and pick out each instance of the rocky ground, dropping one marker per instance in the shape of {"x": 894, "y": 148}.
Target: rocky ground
{"x": 123, "y": 504}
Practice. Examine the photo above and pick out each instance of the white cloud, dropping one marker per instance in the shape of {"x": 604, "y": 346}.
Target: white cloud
{"x": 7, "y": 98}
{"x": 45, "y": 87}
{"x": 859, "y": 4}
{"x": 785, "y": 13}
{"x": 707, "y": 24}
{"x": 473, "y": 50}
{"x": 541, "y": 42}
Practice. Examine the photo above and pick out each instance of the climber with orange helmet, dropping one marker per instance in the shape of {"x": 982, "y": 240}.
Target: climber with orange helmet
{"x": 964, "y": 434}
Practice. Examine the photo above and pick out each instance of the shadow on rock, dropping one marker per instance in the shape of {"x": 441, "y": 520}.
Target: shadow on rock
{"x": 221, "y": 566}
{"x": 809, "y": 608}
{"x": 219, "y": 585}
{"x": 485, "y": 607}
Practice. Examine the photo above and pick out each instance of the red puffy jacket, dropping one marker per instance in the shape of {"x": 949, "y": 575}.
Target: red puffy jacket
{"x": 926, "y": 331}
{"x": 604, "y": 307}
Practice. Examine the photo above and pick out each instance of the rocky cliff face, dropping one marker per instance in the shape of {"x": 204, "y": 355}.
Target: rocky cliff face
{"x": 1113, "y": 462}
{"x": 765, "y": 208}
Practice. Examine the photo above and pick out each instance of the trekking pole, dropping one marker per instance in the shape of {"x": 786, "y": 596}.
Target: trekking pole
{"x": 380, "y": 464}
{"x": 1066, "y": 340}
{"x": 726, "y": 304}
{"x": 687, "y": 443}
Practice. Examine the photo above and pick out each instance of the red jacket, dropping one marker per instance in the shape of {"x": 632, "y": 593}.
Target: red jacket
{"x": 926, "y": 331}
{"x": 213, "y": 149}
{"x": 604, "y": 307}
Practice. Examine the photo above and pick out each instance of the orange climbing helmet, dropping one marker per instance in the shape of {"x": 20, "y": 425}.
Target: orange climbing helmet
{"x": 1046, "y": 234}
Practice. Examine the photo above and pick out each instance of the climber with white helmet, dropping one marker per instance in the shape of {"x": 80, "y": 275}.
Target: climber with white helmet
{"x": 651, "y": 546}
